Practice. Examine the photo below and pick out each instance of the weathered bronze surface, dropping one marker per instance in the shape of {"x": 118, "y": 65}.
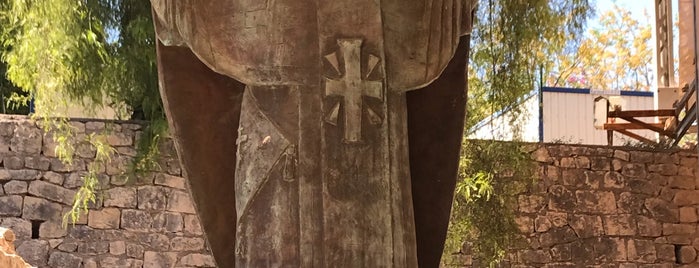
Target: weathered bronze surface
{"x": 318, "y": 133}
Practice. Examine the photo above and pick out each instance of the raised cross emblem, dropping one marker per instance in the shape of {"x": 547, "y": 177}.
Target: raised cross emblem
{"x": 352, "y": 88}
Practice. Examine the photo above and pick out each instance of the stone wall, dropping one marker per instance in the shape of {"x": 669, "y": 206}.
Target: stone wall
{"x": 608, "y": 207}
{"x": 146, "y": 222}
{"x": 591, "y": 207}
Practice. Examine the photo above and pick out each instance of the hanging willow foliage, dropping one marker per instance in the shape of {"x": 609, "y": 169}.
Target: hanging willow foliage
{"x": 99, "y": 53}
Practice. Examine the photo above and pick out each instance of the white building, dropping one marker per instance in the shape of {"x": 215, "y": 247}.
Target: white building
{"x": 555, "y": 114}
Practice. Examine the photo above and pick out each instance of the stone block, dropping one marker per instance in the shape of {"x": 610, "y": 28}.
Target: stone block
{"x": 617, "y": 165}
{"x": 642, "y": 186}
{"x": 608, "y": 250}
{"x": 159, "y": 259}
{"x": 542, "y": 224}
{"x": 665, "y": 252}
{"x": 614, "y": 180}
{"x": 557, "y": 236}
{"x": 26, "y": 139}
{"x": 93, "y": 247}
{"x": 118, "y": 165}
{"x": 35, "y": 252}
{"x": 85, "y": 150}
{"x": 679, "y": 239}
{"x": 114, "y": 262}
{"x": 596, "y": 201}
{"x": 41, "y": 209}
{"x": 13, "y": 162}
{"x": 623, "y": 155}
{"x": 641, "y": 157}
{"x": 81, "y": 215}
{"x": 561, "y": 199}
{"x": 641, "y": 251}
{"x": 174, "y": 167}
{"x": 683, "y": 182}
{"x": 648, "y": 227}
{"x": 24, "y": 175}
{"x": 119, "y": 139}
{"x": 68, "y": 246}
{"x": 77, "y": 127}
{"x": 153, "y": 197}
{"x": 187, "y": 244}
{"x": 579, "y": 179}
{"x": 561, "y": 253}
{"x": 5, "y": 175}
{"x": 634, "y": 170}
{"x": 117, "y": 248}
{"x": 679, "y": 229}
{"x": 619, "y": 225}
{"x": 192, "y": 226}
{"x": 530, "y": 203}
{"x": 136, "y": 220}
{"x": 15, "y": 187}
{"x": 134, "y": 250}
{"x": 688, "y": 214}
{"x": 686, "y": 198}
{"x": 21, "y": 227}
{"x": 74, "y": 180}
{"x": 582, "y": 162}
{"x": 37, "y": 162}
{"x": 53, "y": 177}
{"x": 688, "y": 161}
{"x": 168, "y": 222}
{"x": 687, "y": 254}
{"x": 662, "y": 210}
{"x": 106, "y": 218}
{"x": 180, "y": 201}
{"x": 94, "y": 126}
{"x": 663, "y": 169}
{"x": 197, "y": 260}
{"x": 667, "y": 158}
{"x": 121, "y": 197}
{"x": 600, "y": 163}
{"x": 10, "y": 205}
{"x": 53, "y": 243}
{"x": 170, "y": 181}
{"x": 62, "y": 259}
{"x": 52, "y": 229}
{"x": 77, "y": 165}
{"x": 567, "y": 162}
{"x": 128, "y": 151}
{"x": 535, "y": 256}
{"x": 7, "y": 127}
{"x": 52, "y": 192}
{"x": 630, "y": 203}
{"x": 586, "y": 226}
{"x": 159, "y": 242}
{"x": 686, "y": 171}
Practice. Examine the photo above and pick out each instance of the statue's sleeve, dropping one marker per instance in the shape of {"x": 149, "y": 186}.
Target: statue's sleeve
{"x": 203, "y": 108}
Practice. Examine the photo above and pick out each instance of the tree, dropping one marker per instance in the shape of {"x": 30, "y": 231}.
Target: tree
{"x": 7, "y": 89}
{"x": 512, "y": 41}
{"x": 617, "y": 55}
{"x": 95, "y": 52}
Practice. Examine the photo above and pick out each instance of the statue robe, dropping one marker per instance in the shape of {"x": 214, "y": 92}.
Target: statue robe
{"x": 322, "y": 174}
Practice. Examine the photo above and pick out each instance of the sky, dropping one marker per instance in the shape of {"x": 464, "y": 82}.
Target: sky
{"x": 636, "y": 7}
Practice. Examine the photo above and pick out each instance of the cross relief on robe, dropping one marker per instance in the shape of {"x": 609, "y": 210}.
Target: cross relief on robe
{"x": 352, "y": 87}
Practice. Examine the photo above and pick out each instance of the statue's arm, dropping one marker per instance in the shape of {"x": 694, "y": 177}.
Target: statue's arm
{"x": 203, "y": 108}
{"x": 435, "y": 129}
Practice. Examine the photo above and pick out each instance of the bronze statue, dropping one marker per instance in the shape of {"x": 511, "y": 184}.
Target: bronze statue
{"x": 320, "y": 133}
